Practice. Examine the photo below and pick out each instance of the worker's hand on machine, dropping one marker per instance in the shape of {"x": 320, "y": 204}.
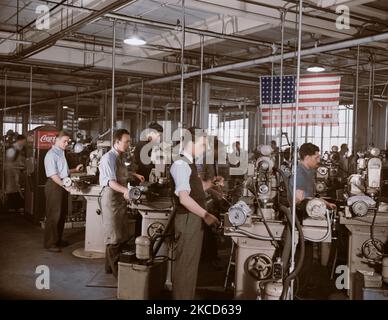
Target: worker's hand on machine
{"x": 139, "y": 177}
{"x": 331, "y": 206}
{"x": 126, "y": 195}
{"x": 210, "y": 219}
{"x": 68, "y": 189}
{"x": 79, "y": 168}
{"x": 219, "y": 181}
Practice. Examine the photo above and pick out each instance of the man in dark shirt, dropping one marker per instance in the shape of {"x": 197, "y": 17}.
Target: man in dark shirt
{"x": 305, "y": 188}
{"x": 143, "y": 150}
{"x": 305, "y": 174}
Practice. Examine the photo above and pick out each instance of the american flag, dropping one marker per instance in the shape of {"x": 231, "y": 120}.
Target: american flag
{"x": 318, "y": 100}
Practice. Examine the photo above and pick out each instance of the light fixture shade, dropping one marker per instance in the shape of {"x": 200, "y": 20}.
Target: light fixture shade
{"x": 135, "y": 41}
{"x": 315, "y": 69}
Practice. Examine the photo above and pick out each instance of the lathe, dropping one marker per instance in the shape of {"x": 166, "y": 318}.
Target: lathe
{"x": 259, "y": 224}
{"x": 365, "y": 216}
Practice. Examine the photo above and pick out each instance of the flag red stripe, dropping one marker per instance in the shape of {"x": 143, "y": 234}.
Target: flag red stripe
{"x": 319, "y": 91}
{"x": 290, "y": 124}
{"x": 317, "y": 75}
{"x": 304, "y": 100}
{"x": 329, "y": 108}
{"x": 304, "y": 116}
{"x": 322, "y": 83}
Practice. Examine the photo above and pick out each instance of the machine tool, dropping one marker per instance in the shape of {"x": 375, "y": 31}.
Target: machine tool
{"x": 259, "y": 226}
{"x": 365, "y": 216}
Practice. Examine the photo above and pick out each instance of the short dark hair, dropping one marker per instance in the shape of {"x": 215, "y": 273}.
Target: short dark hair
{"x": 118, "y": 134}
{"x": 63, "y": 133}
{"x": 155, "y": 126}
{"x": 307, "y": 149}
{"x": 193, "y": 131}
{"x": 20, "y": 137}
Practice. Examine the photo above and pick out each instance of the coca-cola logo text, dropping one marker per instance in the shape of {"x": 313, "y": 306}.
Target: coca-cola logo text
{"x": 48, "y": 139}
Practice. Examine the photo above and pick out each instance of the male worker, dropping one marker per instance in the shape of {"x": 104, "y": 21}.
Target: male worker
{"x": 305, "y": 174}
{"x": 305, "y": 188}
{"x": 143, "y": 150}
{"x": 344, "y": 161}
{"x": 14, "y": 165}
{"x": 114, "y": 177}
{"x": 56, "y": 194}
{"x": 189, "y": 198}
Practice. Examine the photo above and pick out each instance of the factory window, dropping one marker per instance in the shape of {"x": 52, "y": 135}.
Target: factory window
{"x": 325, "y": 136}
{"x": 17, "y": 127}
{"x": 229, "y": 129}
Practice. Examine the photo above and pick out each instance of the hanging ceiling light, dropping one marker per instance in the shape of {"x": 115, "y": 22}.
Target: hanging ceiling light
{"x": 134, "y": 39}
{"x": 315, "y": 69}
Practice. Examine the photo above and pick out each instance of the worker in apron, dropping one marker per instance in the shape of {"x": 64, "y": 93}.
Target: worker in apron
{"x": 189, "y": 199}
{"x": 114, "y": 177}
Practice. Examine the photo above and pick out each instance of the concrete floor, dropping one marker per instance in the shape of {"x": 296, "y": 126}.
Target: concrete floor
{"x": 21, "y": 252}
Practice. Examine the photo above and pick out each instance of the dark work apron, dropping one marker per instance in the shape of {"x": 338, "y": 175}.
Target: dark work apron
{"x": 114, "y": 208}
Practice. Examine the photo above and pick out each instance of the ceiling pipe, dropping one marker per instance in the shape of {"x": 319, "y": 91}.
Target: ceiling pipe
{"x": 239, "y": 65}
{"x": 187, "y": 29}
{"x": 50, "y": 40}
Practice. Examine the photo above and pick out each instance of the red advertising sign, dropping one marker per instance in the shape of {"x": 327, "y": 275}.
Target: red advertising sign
{"x": 45, "y": 139}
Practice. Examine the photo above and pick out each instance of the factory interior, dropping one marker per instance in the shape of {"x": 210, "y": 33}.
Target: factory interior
{"x": 194, "y": 150}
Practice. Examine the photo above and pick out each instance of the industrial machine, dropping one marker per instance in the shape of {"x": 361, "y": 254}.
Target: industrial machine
{"x": 328, "y": 177}
{"x": 153, "y": 201}
{"x": 364, "y": 186}
{"x": 85, "y": 184}
{"x": 365, "y": 216}
{"x": 259, "y": 225}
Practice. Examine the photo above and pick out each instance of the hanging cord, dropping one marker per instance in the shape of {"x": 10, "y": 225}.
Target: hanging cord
{"x": 299, "y": 263}
{"x": 274, "y": 243}
{"x": 283, "y": 18}
{"x": 372, "y": 233}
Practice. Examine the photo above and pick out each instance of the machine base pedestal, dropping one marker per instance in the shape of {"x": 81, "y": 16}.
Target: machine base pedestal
{"x": 81, "y": 253}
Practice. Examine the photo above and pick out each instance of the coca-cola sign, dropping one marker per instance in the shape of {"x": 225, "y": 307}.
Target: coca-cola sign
{"x": 46, "y": 139}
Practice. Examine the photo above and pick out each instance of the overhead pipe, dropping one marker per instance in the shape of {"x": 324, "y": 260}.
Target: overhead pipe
{"x": 112, "y": 121}
{"x": 188, "y": 29}
{"x": 241, "y": 65}
{"x": 355, "y": 100}
{"x": 283, "y": 18}
{"x": 30, "y": 106}
{"x": 201, "y": 80}
{"x": 369, "y": 134}
{"x": 289, "y": 55}
{"x": 182, "y": 66}
{"x": 141, "y": 107}
{"x": 293, "y": 247}
{"x": 3, "y": 136}
{"x": 47, "y": 42}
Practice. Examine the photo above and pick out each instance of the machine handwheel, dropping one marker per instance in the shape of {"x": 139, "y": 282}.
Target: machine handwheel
{"x": 372, "y": 249}
{"x": 155, "y": 229}
{"x": 259, "y": 266}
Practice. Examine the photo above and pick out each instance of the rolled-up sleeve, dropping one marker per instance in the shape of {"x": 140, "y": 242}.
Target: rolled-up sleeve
{"x": 180, "y": 172}
{"x": 107, "y": 170}
{"x": 50, "y": 165}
